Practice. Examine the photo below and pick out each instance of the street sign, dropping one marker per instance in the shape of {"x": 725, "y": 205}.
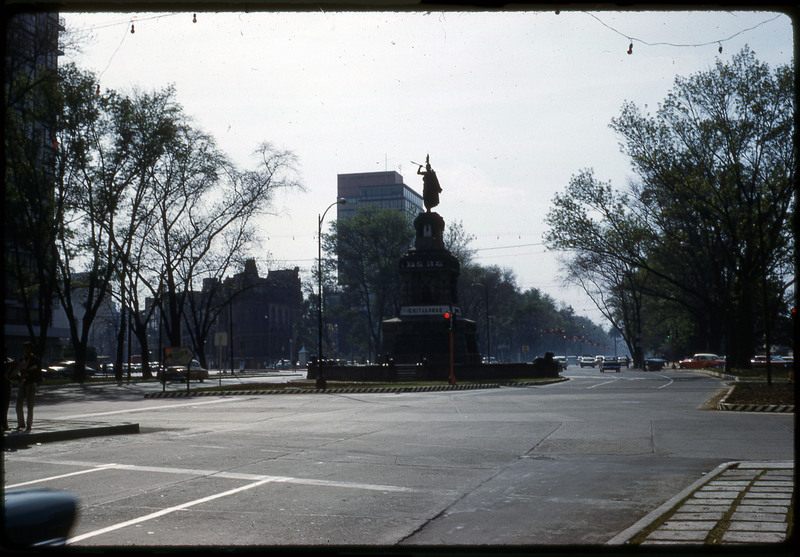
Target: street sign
{"x": 221, "y": 339}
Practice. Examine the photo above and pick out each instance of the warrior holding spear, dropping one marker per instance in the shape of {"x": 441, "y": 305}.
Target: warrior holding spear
{"x": 430, "y": 184}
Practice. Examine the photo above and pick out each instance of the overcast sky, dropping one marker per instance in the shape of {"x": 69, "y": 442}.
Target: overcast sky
{"x": 508, "y": 105}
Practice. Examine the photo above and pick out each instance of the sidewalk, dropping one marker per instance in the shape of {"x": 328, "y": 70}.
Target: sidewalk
{"x": 48, "y": 431}
{"x": 738, "y": 503}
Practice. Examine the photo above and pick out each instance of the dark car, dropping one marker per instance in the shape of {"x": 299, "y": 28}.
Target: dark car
{"x": 36, "y": 517}
{"x": 775, "y": 361}
{"x": 65, "y": 370}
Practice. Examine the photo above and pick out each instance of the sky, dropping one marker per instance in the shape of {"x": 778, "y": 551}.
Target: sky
{"x": 509, "y": 105}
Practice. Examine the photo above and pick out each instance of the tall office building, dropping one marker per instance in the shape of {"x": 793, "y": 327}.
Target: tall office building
{"x": 377, "y": 189}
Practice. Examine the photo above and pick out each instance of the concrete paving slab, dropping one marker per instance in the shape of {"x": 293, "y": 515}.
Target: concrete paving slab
{"x": 763, "y": 508}
{"x": 767, "y": 517}
{"x": 760, "y": 526}
{"x": 713, "y": 501}
{"x": 753, "y": 537}
{"x": 704, "y": 508}
{"x": 770, "y": 489}
{"x": 715, "y": 516}
{"x": 705, "y": 525}
{"x": 698, "y": 536}
{"x": 768, "y": 465}
{"x": 721, "y": 488}
{"x": 765, "y": 502}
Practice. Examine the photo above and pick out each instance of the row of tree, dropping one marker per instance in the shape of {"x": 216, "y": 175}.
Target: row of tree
{"x": 121, "y": 196}
{"x": 361, "y": 271}
{"x": 698, "y": 251}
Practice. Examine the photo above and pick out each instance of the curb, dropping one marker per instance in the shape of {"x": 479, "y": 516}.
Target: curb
{"x": 431, "y": 388}
{"x": 780, "y": 408}
{"x": 16, "y": 441}
{"x": 629, "y": 533}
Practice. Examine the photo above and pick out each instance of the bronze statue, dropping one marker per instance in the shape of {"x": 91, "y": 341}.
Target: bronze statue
{"x": 430, "y": 185}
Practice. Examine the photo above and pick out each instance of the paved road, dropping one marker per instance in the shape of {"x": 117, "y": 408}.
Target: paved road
{"x": 571, "y": 463}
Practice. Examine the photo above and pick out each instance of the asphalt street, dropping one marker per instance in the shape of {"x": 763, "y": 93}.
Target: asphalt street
{"x": 594, "y": 460}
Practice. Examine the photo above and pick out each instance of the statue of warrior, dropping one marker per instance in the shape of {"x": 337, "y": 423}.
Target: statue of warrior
{"x": 430, "y": 185}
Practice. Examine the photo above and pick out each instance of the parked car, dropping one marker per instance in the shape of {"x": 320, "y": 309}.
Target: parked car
{"x": 776, "y": 361}
{"x": 36, "y": 517}
{"x": 282, "y": 364}
{"x": 700, "y": 361}
{"x": 610, "y": 363}
{"x": 178, "y": 373}
{"x": 587, "y": 361}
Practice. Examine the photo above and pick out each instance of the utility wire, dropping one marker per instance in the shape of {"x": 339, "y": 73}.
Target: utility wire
{"x": 718, "y": 41}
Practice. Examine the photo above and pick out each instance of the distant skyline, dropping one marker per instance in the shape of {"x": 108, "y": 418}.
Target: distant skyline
{"x": 509, "y": 105}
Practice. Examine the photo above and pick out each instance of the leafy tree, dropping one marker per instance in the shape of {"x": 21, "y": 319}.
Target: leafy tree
{"x": 710, "y": 214}
{"x": 367, "y": 248}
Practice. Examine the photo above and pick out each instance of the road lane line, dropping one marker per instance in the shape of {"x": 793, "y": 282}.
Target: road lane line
{"x": 148, "y": 408}
{"x": 200, "y": 473}
{"x": 51, "y": 478}
{"x": 667, "y": 384}
{"x": 166, "y": 511}
{"x": 603, "y": 383}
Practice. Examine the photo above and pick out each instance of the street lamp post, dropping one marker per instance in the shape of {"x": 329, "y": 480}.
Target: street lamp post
{"x": 320, "y": 373}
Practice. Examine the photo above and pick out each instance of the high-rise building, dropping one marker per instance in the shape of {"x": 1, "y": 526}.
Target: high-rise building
{"x": 30, "y": 63}
{"x": 384, "y": 190}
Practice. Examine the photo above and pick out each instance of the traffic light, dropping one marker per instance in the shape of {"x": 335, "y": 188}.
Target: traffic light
{"x": 450, "y": 317}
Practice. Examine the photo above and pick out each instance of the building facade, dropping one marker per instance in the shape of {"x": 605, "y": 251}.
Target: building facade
{"x": 384, "y": 190}
{"x": 30, "y": 60}
{"x": 259, "y": 321}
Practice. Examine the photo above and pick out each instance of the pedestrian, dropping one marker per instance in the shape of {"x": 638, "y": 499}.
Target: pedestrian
{"x": 29, "y": 373}
{"x": 8, "y": 367}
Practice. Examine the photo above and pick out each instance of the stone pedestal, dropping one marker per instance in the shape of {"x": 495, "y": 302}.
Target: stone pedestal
{"x": 429, "y": 275}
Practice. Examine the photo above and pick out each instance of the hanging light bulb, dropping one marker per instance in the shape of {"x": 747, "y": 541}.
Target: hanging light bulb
{"x": 194, "y": 18}
{"x": 97, "y": 92}
{"x": 720, "y": 48}
{"x": 630, "y": 48}
{"x": 132, "y": 30}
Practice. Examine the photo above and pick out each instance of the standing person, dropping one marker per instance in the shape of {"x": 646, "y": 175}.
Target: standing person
{"x": 8, "y": 367}
{"x": 30, "y": 373}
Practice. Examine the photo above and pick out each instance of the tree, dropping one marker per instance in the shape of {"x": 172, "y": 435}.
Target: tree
{"x": 710, "y": 214}
{"x": 367, "y": 248}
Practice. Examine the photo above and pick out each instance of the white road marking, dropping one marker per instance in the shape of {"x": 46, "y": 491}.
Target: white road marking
{"x": 667, "y": 378}
{"x": 603, "y": 383}
{"x": 165, "y": 511}
{"x": 162, "y": 407}
{"x": 51, "y": 478}
{"x": 95, "y": 467}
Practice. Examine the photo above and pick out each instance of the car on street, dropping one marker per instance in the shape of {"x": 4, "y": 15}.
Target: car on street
{"x": 702, "y": 361}
{"x": 587, "y": 361}
{"x": 598, "y": 360}
{"x": 65, "y": 370}
{"x": 178, "y": 373}
{"x": 282, "y": 364}
{"x": 610, "y": 363}
{"x": 562, "y": 362}
{"x": 775, "y": 361}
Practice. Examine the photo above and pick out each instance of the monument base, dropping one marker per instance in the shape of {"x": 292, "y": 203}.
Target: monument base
{"x": 412, "y": 339}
